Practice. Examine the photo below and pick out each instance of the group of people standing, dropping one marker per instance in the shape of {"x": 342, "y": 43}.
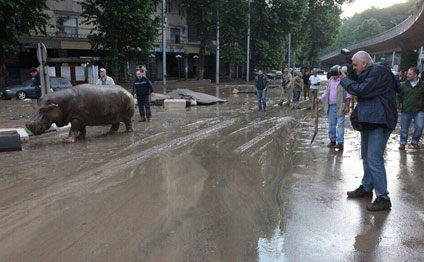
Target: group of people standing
{"x": 142, "y": 89}
{"x": 380, "y": 96}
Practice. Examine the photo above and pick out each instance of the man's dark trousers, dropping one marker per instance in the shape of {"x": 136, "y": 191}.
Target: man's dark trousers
{"x": 143, "y": 102}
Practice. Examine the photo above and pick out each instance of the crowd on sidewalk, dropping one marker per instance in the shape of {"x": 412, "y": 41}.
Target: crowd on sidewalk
{"x": 380, "y": 95}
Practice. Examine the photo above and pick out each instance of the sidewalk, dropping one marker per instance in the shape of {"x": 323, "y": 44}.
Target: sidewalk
{"x": 320, "y": 224}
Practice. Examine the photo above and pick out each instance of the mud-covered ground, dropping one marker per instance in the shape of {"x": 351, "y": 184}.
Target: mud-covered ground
{"x": 211, "y": 183}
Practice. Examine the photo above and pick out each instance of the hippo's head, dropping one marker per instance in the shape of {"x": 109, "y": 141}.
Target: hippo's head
{"x": 45, "y": 114}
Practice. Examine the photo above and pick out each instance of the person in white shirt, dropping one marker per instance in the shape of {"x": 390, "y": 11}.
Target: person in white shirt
{"x": 314, "y": 82}
{"x": 104, "y": 79}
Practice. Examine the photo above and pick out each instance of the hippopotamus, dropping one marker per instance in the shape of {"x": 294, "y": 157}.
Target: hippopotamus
{"x": 83, "y": 105}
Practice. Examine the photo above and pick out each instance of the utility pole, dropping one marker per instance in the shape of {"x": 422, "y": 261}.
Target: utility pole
{"x": 294, "y": 60}
{"x": 289, "y": 49}
{"x": 164, "y": 41}
{"x": 217, "y": 46}
{"x": 393, "y": 59}
{"x": 248, "y": 44}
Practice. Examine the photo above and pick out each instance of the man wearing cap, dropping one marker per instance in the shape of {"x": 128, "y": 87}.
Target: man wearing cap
{"x": 104, "y": 79}
{"x": 287, "y": 77}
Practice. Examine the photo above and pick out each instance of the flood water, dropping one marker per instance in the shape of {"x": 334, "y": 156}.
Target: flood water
{"x": 210, "y": 183}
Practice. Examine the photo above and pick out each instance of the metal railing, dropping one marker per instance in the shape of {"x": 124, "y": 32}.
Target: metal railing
{"x": 384, "y": 36}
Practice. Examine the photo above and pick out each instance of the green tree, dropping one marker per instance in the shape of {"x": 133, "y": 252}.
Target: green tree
{"x": 368, "y": 27}
{"x": 386, "y": 17}
{"x": 233, "y": 32}
{"x": 322, "y": 26}
{"x": 272, "y": 21}
{"x": 19, "y": 18}
{"x": 201, "y": 15}
{"x": 233, "y": 27}
{"x": 121, "y": 28}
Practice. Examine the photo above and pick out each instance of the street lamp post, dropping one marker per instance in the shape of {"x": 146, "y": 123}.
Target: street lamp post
{"x": 179, "y": 57}
{"x": 289, "y": 58}
{"x": 217, "y": 46}
{"x": 164, "y": 41}
{"x": 248, "y": 43}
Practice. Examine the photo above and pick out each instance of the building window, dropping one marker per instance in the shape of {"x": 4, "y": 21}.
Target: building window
{"x": 181, "y": 11}
{"x": 169, "y": 4}
{"x": 68, "y": 25}
{"x": 176, "y": 35}
{"x": 71, "y": 27}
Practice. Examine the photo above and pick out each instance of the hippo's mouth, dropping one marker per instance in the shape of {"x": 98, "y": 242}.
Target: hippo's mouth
{"x": 38, "y": 128}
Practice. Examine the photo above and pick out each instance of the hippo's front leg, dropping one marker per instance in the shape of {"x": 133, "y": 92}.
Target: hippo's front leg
{"x": 113, "y": 129}
{"x": 73, "y": 133}
{"x": 82, "y": 133}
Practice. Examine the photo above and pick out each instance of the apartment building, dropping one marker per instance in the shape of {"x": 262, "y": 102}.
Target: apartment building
{"x": 70, "y": 53}
{"x": 182, "y": 55}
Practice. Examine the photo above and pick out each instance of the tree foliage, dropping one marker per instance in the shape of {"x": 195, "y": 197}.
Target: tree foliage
{"x": 368, "y": 27}
{"x": 232, "y": 16}
{"x": 321, "y": 27}
{"x": 271, "y": 23}
{"x": 371, "y": 22}
{"x": 121, "y": 26}
{"x": 18, "y": 19}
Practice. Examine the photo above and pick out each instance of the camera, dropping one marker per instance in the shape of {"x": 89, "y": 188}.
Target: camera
{"x": 347, "y": 68}
{"x": 337, "y": 70}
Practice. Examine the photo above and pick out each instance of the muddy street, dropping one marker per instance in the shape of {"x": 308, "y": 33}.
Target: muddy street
{"x": 211, "y": 183}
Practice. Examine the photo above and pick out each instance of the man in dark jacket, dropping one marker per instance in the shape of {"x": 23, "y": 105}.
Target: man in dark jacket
{"x": 261, "y": 83}
{"x": 35, "y": 79}
{"x": 143, "y": 88}
{"x": 377, "y": 114}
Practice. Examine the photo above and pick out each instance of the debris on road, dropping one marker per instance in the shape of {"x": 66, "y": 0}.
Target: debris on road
{"x": 200, "y": 98}
{"x": 24, "y": 137}
{"x": 10, "y": 141}
{"x": 175, "y": 104}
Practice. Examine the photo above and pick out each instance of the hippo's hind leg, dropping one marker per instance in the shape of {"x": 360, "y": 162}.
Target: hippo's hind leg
{"x": 128, "y": 126}
{"x": 82, "y": 133}
{"x": 114, "y": 128}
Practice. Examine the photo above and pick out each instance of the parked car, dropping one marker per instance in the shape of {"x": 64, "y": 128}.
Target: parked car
{"x": 27, "y": 90}
{"x": 274, "y": 74}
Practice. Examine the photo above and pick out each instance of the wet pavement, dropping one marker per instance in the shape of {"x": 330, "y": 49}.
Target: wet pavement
{"x": 213, "y": 183}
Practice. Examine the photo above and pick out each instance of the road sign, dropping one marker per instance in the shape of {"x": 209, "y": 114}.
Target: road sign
{"x": 42, "y": 53}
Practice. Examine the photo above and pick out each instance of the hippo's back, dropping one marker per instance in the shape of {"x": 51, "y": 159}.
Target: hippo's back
{"x": 102, "y": 105}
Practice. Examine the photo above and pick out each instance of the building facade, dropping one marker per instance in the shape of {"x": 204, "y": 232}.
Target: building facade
{"x": 182, "y": 54}
{"x": 70, "y": 54}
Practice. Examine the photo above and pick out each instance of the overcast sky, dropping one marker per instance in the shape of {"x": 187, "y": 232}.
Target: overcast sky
{"x": 362, "y": 5}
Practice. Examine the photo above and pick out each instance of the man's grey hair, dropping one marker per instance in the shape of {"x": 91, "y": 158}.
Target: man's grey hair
{"x": 363, "y": 56}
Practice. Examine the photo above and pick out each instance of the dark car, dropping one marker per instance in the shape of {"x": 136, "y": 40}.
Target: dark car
{"x": 27, "y": 90}
{"x": 274, "y": 74}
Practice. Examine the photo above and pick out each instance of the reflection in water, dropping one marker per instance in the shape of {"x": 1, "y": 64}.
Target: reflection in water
{"x": 270, "y": 250}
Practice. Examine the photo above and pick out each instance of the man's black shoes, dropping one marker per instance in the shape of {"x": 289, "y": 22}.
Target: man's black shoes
{"x": 379, "y": 204}
{"x": 359, "y": 192}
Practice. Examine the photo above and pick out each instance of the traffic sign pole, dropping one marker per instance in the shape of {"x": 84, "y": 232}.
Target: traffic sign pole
{"x": 44, "y": 70}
